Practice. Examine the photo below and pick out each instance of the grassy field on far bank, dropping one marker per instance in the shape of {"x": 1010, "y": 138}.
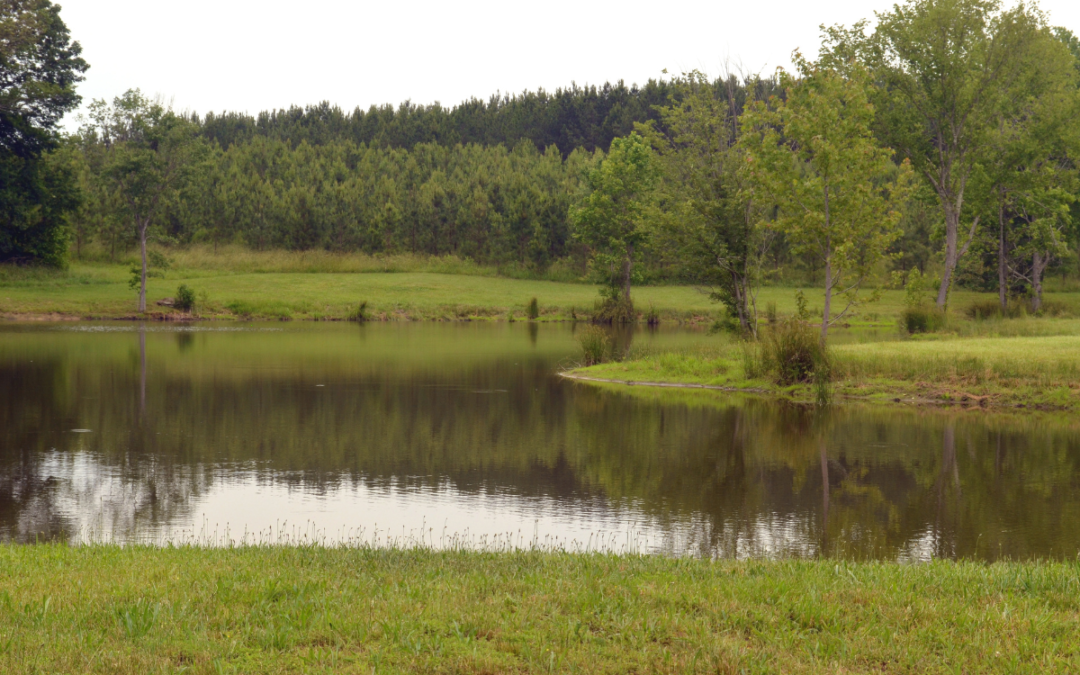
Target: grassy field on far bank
{"x": 118, "y": 610}
{"x": 318, "y": 285}
{"x": 1019, "y": 362}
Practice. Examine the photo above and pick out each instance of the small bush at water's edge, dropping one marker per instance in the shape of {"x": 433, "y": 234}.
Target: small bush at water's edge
{"x": 185, "y": 299}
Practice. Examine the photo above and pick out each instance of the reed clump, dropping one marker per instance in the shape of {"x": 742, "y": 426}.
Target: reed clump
{"x": 597, "y": 345}
{"x": 793, "y": 353}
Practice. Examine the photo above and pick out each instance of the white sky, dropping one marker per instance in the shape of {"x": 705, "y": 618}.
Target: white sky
{"x": 244, "y": 55}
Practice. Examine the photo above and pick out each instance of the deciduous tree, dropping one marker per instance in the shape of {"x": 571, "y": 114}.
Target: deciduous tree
{"x": 836, "y": 190}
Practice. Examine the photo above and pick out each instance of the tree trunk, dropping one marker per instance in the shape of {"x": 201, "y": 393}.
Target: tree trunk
{"x": 952, "y": 226}
{"x": 1002, "y": 293}
{"x": 1038, "y": 266}
{"x": 828, "y": 301}
{"x": 142, "y": 285}
{"x": 626, "y": 272}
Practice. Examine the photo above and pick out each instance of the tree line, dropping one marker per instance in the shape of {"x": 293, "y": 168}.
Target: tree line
{"x": 576, "y": 117}
{"x": 941, "y": 136}
{"x": 961, "y": 109}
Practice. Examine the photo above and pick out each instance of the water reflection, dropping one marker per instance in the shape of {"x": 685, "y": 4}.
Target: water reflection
{"x": 432, "y": 431}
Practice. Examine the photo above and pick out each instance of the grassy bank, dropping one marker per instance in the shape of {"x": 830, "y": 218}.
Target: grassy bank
{"x": 104, "y": 609}
{"x": 239, "y": 284}
{"x": 1024, "y": 362}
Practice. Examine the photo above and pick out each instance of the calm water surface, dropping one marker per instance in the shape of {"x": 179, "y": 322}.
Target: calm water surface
{"x": 463, "y": 434}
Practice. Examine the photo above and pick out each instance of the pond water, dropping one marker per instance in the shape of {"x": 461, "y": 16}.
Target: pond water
{"x": 464, "y": 435}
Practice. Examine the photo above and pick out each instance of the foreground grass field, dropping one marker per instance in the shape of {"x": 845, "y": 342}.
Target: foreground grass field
{"x": 105, "y": 609}
{"x": 239, "y": 284}
{"x": 1039, "y": 370}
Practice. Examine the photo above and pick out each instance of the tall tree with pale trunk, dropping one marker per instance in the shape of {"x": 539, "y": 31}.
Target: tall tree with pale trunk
{"x": 943, "y": 69}
{"x": 149, "y": 152}
{"x": 837, "y": 192}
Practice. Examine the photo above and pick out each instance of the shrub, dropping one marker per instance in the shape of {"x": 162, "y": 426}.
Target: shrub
{"x": 613, "y": 307}
{"x": 921, "y": 319}
{"x": 770, "y": 312}
{"x": 185, "y": 299}
{"x": 793, "y": 352}
{"x": 725, "y": 323}
{"x": 652, "y": 317}
{"x": 802, "y": 309}
{"x": 533, "y": 310}
{"x": 360, "y": 314}
{"x": 596, "y": 344}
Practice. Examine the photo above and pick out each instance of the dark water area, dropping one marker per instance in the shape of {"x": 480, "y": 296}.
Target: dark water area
{"x": 464, "y": 435}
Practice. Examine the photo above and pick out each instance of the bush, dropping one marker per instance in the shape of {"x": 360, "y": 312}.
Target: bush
{"x": 596, "y": 344}
{"x": 771, "y": 314}
{"x": 613, "y": 307}
{"x": 802, "y": 308}
{"x": 360, "y": 314}
{"x": 185, "y": 299}
{"x": 921, "y": 319}
{"x": 652, "y": 317}
{"x": 793, "y": 352}
{"x": 533, "y": 310}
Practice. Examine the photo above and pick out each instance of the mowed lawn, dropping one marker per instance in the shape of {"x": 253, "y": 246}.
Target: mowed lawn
{"x": 102, "y": 290}
{"x": 269, "y": 609}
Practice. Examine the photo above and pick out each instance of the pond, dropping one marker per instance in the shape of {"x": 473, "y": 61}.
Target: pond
{"x": 464, "y": 435}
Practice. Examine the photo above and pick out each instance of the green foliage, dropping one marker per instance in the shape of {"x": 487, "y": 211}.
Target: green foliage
{"x": 802, "y": 306}
{"x": 147, "y": 154}
{"x": 36, "y": 195}
{"x": 652, "y": 317}
{"x": 157, "y": 264}
{"x": 991, "y": 309}
{"x": 919, "y": 314}
{"x": 837, "y": 192}
{"x": 771, "y": 314}
{"x": 612, "y": 216}
{"x": 946, "y": 70}
{"x": 361, "y": 313}
{"x": 915, "y": 291}
{"x": 613, "y": 307}
{"x": 185, "y": 299}
{"x": 793, "y": 353}
{"x": 39, "y": 68}
{"x": 923, "y": 318}
{"x": 138, "y": 618}
{"x": 533, "y": 310}
{"x": 707, "y": 222}
{"x": 596, "y": 345}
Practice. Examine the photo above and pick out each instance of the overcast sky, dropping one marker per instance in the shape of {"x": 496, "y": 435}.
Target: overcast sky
{"x": 251, "y": 56}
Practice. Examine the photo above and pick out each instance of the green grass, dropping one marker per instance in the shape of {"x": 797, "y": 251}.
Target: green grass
{"x": 1042, "y": 371}
{"x": 236, "y": 283}
{"x": 108, "y": 609}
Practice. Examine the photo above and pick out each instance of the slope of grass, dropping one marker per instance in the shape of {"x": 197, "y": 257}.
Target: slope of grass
{"x": 106, "y": 609}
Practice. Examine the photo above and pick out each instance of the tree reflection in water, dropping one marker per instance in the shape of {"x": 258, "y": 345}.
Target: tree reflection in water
{"x": 474, "y": 416}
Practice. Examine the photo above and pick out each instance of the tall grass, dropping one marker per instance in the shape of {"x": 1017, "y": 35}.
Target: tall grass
{"x": 596, "y": 345}
{"x": 1044, "y": 362}
{"x": 242, "y": 260}
{"x": 793, "y": 353}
